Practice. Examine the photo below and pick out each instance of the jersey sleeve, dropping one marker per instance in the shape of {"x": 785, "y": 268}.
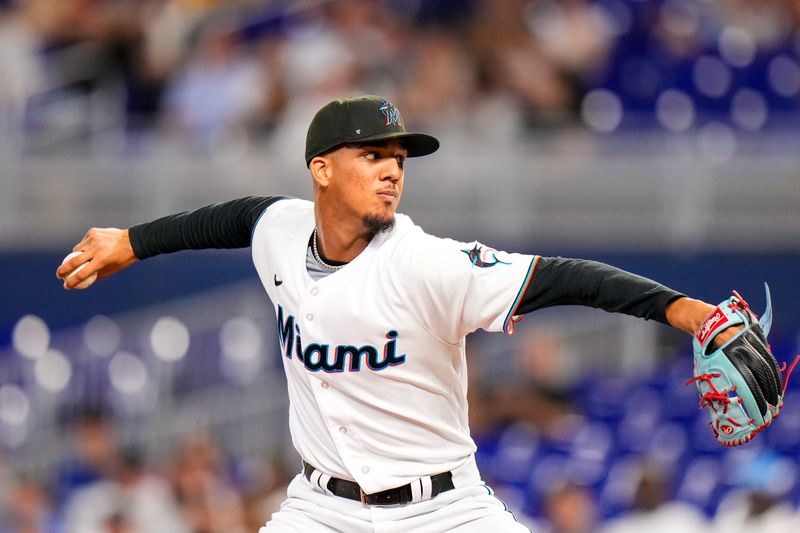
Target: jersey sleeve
{"x": 458, "y": 287}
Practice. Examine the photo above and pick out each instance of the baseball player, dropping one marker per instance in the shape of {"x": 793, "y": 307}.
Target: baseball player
{"x": 372, "y": 313}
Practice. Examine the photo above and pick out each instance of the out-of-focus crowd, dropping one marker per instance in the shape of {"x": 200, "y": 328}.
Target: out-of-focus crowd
{"x": 215, "y": 70}
{"x": 225, "y": 71}
{"x": 195, "y": 486}
{"x": 104, "y": 487}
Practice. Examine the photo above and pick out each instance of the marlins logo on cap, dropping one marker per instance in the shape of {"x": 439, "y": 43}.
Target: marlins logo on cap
{"x": 362, "y": 119}
{"x": 391, "y": 113}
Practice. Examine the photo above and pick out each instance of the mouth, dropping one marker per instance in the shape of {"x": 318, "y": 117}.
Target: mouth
{"x": 387, "y": 195}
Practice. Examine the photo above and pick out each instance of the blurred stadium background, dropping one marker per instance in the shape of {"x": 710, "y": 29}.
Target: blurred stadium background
{"x": 661, "y": 136}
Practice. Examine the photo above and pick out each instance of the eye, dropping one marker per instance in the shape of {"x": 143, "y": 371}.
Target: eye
{"x": 371, "y": 155}
{"x": 400, "y": 160}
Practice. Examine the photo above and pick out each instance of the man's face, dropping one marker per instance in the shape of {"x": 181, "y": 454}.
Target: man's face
{"x": 367, "y": 181}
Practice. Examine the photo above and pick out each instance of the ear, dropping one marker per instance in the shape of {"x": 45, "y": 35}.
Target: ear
{"x": 321, "y": 170}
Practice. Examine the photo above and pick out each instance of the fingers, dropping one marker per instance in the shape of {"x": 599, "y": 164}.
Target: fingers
{"x": 85, "y": 253}
{"x": 72, "y": 263}
{"x": 70, "y": 282}
{"x": 102, "y": 251}
{"x": 87, "y": 269}
{"x": 726, "y": 334}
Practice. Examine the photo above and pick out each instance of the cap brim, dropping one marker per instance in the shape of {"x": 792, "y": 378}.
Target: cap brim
{"x": 417, "y": 144}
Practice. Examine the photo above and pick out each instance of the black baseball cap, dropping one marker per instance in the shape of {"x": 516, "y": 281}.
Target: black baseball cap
{"x": 362, "y": 119}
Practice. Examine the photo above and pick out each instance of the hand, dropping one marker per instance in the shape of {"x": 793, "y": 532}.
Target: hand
{"x": 687, "y": 314}
{"x": 108, "y": 250}
{"x": 726, "y": 335}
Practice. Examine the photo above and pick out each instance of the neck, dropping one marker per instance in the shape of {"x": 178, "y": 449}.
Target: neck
{"x": 339, "y": 241}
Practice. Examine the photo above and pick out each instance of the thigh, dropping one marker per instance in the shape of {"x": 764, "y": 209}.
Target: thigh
{"x": 290, "y": 519}
{"x": 498, "y": 523}
{"x": 479, "y": 512}
{"x": 466, "y": 510}
{"x": 308, "y": 511}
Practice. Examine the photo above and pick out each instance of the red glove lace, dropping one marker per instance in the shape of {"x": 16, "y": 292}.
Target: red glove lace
{"x": 789, "y": 372}
{"x": 714, "y": 395}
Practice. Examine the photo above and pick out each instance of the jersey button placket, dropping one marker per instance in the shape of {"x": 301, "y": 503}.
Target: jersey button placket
{"x": 330, "y": 407}
{"x": 308, "y": 303}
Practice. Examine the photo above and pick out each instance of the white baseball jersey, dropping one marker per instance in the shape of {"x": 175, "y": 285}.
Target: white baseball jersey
{"x": 374, "y": 352}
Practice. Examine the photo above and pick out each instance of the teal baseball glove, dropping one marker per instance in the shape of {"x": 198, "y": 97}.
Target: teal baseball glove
{"x": 740, "y": 382}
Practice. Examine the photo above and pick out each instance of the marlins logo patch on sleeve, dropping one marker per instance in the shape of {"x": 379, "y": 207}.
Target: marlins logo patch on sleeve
{"x": 483, "y": 257}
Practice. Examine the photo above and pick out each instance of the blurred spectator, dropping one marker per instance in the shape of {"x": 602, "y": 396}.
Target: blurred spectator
{"x": 95, "y": 455}
{"x": 274, "y": 93}
{"x": 574, "y": 35}
{"x": 545, "y": 362}
{"x": 86, "y": 48}
{"x": 653, "y": 510}
{"x": 343, "y": 47}
{"x": 217, "y": 89}
{"x": 758, "y": 504}
{"x": 569, "y": 509}
{"x": 512, "y": 60}
{"x": 679, "y": 28}
{"x": 263, "y": 490}
{"x": 28, "y": 509}
{"x": 229, "y": 73}
{"x": 765, "y": 22}
{"x": 6, "y": 480}
{"x": 117, "y": 523}
{"x": 441, "y": 83}
{"x": 756, "y": 512}
{"x": 208, "y": 501}
{"x": 165, "y": 28}
{"x": 129, "y": 500}
{"x": 23, "y": 76}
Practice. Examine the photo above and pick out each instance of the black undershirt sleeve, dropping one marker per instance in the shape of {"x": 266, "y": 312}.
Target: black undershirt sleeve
{"x": 224, "y": 225}
{"x": 560, "y": 281}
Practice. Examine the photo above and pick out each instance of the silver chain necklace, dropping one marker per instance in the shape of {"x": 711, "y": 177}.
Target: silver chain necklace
{"x": 315, "y": 251}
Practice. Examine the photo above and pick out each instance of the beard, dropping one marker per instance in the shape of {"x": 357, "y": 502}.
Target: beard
{"x": 376, "y": 224}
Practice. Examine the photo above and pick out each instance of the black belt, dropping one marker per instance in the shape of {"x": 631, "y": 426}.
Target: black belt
{"x": 399, "y": 495}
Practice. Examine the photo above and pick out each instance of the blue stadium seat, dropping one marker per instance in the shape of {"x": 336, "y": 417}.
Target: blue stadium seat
{"x": 669, "y": 445}
{"x": 604, "y": 397}
{"x": 701, "y": 483}
{"x": 635, "y": 432}
{"x": 549, "y": 472}
{"x": 682, "y": 400}
{"x": 701, "y": 437}
{"x": 516, "y": 452}
{"x": 616, "y": 494}
{"x": 784, "y": 433}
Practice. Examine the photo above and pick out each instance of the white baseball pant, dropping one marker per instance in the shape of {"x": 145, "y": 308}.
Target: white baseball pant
{"x": 464, "y": 509}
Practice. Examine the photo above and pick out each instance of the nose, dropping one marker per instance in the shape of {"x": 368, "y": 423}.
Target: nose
{"x": 393, "y": 171}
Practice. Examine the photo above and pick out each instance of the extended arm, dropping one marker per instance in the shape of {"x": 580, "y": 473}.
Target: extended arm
{"x": 560, "y": 281}
{"x": 109, "y": 250}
